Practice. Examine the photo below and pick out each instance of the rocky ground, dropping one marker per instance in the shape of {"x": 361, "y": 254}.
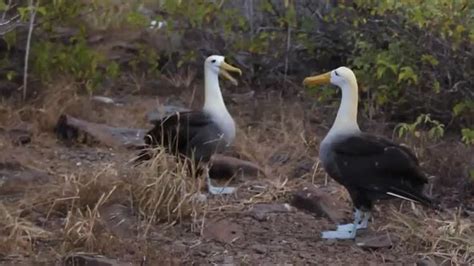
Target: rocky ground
{"x": 63, "y": 201}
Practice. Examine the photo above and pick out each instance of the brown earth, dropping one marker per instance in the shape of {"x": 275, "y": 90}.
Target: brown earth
{"x": 45, "y": 212}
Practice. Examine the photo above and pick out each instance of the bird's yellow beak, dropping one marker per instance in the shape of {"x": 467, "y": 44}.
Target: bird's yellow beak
{"x": 226, "y": 67}
{"x": 322, "y": 79}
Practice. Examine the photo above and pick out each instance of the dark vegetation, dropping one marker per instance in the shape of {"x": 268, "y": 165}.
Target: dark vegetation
{"x": 415, "y": 66}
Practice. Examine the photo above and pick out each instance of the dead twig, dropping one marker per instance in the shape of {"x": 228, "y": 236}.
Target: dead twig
{"x": 28, "y": 44}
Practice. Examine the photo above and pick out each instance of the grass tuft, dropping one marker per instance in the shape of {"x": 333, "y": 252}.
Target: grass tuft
{"x": 166, "y": 189}
{"x": 448, "y": 239}
{"x": 16, "y": 232}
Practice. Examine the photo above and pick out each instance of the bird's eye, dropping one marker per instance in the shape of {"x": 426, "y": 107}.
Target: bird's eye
{"x": 335, "y": 72}
{"x": 213, "y": 61}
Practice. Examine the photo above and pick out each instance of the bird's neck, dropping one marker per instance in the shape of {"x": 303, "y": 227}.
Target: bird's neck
{"x": 346, "y": 119}
{"x": 213, "y": 101}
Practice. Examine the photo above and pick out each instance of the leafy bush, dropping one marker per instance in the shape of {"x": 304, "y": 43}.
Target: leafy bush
{"x": 411, "y": 57}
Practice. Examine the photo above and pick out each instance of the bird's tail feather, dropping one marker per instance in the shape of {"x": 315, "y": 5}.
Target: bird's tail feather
{"x": 411, "y": 195}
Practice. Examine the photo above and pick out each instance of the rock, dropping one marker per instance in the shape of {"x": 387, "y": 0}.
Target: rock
{"x": 259, "y": 249}
{"x": 225, "y": 167}
{"x": 373, "y": 240}
{"x": 427, "y": 261}
{"x": 83, "y": 259}
{"x": 104, "y": 100}
{"x": 261, "y": 211}
{"x": 157, "y": 114}
{"x": 16, "y": 178}
{"x": 224, "y": 231}
{"x": 68, "y": 128}
{"x": 120, "y": 220}
{"x": 319, "y": 202}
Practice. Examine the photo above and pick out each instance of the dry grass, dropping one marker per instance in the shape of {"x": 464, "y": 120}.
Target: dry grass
{"x": 166, "y": 190}
{"x": 81, "y": 226}
{"x": 448, "y": 239}
{"x": 159, "y": 192}
{"x": 17, "y": 233}
{"x": 68, "y": 213}
{"x": 182, "y": 79}
{"x": 279, "y": 140}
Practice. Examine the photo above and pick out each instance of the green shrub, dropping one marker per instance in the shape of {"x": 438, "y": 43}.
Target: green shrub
{"x": 413, "y": 56}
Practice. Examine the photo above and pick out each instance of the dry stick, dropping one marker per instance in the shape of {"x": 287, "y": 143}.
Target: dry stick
{"x": 28, "y": 44}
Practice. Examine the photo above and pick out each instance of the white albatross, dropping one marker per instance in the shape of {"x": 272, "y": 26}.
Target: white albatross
{"x": 369, "y": 167}
{"x": 199, "y": 134}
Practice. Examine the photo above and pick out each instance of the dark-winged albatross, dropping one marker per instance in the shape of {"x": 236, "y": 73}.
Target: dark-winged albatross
{"x": 369, "y": 167}
{"x": 199, "y": 134}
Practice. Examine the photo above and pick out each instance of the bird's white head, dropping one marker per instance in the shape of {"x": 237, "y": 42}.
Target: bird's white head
{"x": 216, "y": 64}
{"x": 346, "y": 119}
{"x": 342, "y": 77}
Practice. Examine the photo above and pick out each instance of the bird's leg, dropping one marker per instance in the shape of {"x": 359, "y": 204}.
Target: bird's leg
{"x": 364, "y": 222}
{"x": 217, "y": 190}
{"x": 349, "y": 231}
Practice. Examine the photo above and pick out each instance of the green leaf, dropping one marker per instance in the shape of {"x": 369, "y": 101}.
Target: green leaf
{"x": 23, "y": 11}
{"x": 467, "y": 136}
{"x": 10, "y": 39}
{"x": 41, "y": 10}
{"x": 113, "y": 69}
{"x": 436, "y": 87}
{"x": 407, "y": 74}
{"x": 459, "y": 108}
{"x": 11, "y": 75}
{"x": 3, "y": 6}
{"x": 137, "y": 19}
{"x": 426, "y": 58}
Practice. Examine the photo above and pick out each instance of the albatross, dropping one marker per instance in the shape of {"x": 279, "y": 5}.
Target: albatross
{"x": 370, "y": 167}
{"x": 199, "y": 134}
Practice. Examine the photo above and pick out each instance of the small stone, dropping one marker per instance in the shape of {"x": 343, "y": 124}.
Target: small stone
{"x": 374, "y": 241}
{"x": 103, "y": 99}
{"x": 224, "y": 231}
{"x": 259, "y": 249}
{"x": 261, "y": 211}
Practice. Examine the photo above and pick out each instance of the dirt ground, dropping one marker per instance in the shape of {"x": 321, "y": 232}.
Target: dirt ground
{"x": 248, "y": 228}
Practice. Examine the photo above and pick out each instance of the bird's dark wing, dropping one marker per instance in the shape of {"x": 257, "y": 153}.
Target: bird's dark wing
{"x": 188, "y": 133}
{"x": 377, "y": 164}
